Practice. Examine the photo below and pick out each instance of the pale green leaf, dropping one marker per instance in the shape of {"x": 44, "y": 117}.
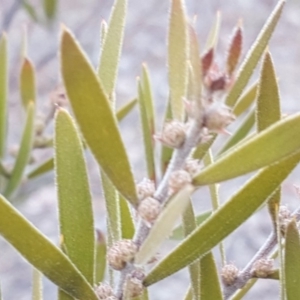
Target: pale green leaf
{"x": 269, "y": 146}
{"x": 209, "y": 282}
{"x": 37, "y": 285}
{"x": 164, "y": 224}
{"x": 178, "y": 57}
{"x": 100, "y": 264}
{"x": 27, "y": 83}
{"x": 213, "y": 35}
{"x": 23, "y": 154}
{"x": 30, "y": 10}
{"x": 111, "y": 49}
{"x": 126, "y": 109}
{"x": 50, "y": 8}
{"x": 3, "y": 93}
{"x": 95, "y": 117}
{"x": 74, "y": 197}
{"x": 225, "y": 220}
{"x": 127, "y": 225}
{"x": 253, "y": 55}
{"x": 41, "y": 253}
{"x": 292, "y": 262}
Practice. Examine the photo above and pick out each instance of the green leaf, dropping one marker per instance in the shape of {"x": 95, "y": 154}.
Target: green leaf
{"x": 239, "y": 295}
{"x": 254, "y": 54}
{"x": 225, "y": 220}
{"x": 126, "y": 109}
{"x": 27, "y": 83}
{"x": 213, "y": 35}
{"x": 30, "y": 10}
{"x": 127, "y": 225}
{"x": 3, "y": 93}
{"x": 273, "y": 144}
{"x": 112, "y": 45}
{"x": 37, "y": 285}
{"x": 178, "y": 231}
{"x": 178, "y": 57}
{"x": 50, "y": 8}
{"x": 292, "y": 262}
{"x": 245, "y": 101}
{"x": 163, "y": 225}
{"x": 74, "y": 197}
{"x": 189, "y": 295}
{"x": 147, "y": 132}
{"x": 210, "y": 286}
{"x": 95, "y": 117}
{"x": 240, "y": 133}
{"x": 100, "y": 265}
{"x": 41, "y": 253}
{"x": 23, "y": 154}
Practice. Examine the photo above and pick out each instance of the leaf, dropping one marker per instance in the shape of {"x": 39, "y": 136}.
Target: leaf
{"x": 74, "y": 196}
{"x": 240, "y": 133}
{"x": 177, "y": 57}
{"x": 225, "y": 220}
{"x": 37, "y": 286}
{"x": 163, "y": 225}
{"x": 178, "y": 231}
{"x": 127, "y": 225}
{"x": 277, "y": 142}
{"x": 254, "y": 54}
{"x": 27, "y": 83}
{"x": 111, "y": 49}
{"x": 41, "y": 253}
{"x": 189, "y": 295}
{"x": 210, "y": 286}
{"x": 147, "y": 132}
{"x": 292, "y": 262}
{"x": 213, "y": 36}
{"x": 23, "y": 154}
{"x": 48, "y": 165}
{"x": 50, "y": 8}
{"x": 100, "y": 265}
{"x": 3, "y": 93}
{"x": 239, "y": 295}
{"x": 30, "y": 10}
{"x": 202, "y": 149}
{"x": 90, "y": 105}
{"x": 245, "y": 101}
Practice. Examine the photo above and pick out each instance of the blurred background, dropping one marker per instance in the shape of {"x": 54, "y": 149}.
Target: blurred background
{"x": 144, "y": 41}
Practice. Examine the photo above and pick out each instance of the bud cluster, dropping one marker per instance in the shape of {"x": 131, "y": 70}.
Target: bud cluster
{"x": 284, "y": 218}
{"x": 105, "y": 292}
{"x": 134, "y": 283}
{"x": 178, "y": 179}
{"x": 263, "y": 267}
{"x": 229, "y": 274}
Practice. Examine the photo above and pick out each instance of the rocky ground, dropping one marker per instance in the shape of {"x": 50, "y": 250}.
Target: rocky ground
{"x": 145, "y": 41}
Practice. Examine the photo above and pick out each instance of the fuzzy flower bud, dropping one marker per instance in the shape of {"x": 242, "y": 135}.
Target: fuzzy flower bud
{"x": 173, "y": 134}
{"x": 145, "y": 189}
{"x": 104, "y": 291}
{"x": 192, "y": 166}
{"x": 120, "y": 253}
{"x": 178, "y": 179}
{"x": 149, "y": 210}
{"x": 217, "y": 116}
{"x": 263, "y": 267}
{"x": 284, "y": 217}
{"x": 134, "y": 283}
{"x": 229, "y": 274}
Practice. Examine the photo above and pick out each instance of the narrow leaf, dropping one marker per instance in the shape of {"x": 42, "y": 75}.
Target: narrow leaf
{"x": 210, "y": 286}
{"x": 213, "y": 35}
{"x": 233, "y": 213}
{"x": 126, "y": 109}
{"x": 41, "y": 253}
{"x": 111, "y": 49}
{"x": 50, "y": 8}
{"x": 95, "y": 117}
{"x": 100, "y": 264}
{"x": 177, "y": 57}
{"x": 37, "y": 286}
{"x": 254, "y": 54}
{"x": 127, "y": 225}
{"x": 164, "y": 225}
{"x": 23, "y": 154}
{"x": 292, "y": 262}
{"x": 27, "y": 83}
{"x": 274, "y": 143}
{"x": 3, "y": 93}
{"x": 74, "y": 197}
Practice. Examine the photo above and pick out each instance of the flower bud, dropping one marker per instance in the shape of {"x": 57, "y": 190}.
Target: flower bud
{"x": 134, "y": 283}
{"x": 120, "y": 253}
{"x": 284, "y": 217}
{"x": 207, "y": 60}
{"x": 192, "y": 166}
{"x": 104, "y": 291}
{"x": 263, "y": 267}
{"x": 173, "y": 134}
{"x": 229, "y": 274}
{"x": 145, "y": 189}
{"x": 178, "y": 179}
{"x": 149, "y": 210}
{"x": 218, "y": 116}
